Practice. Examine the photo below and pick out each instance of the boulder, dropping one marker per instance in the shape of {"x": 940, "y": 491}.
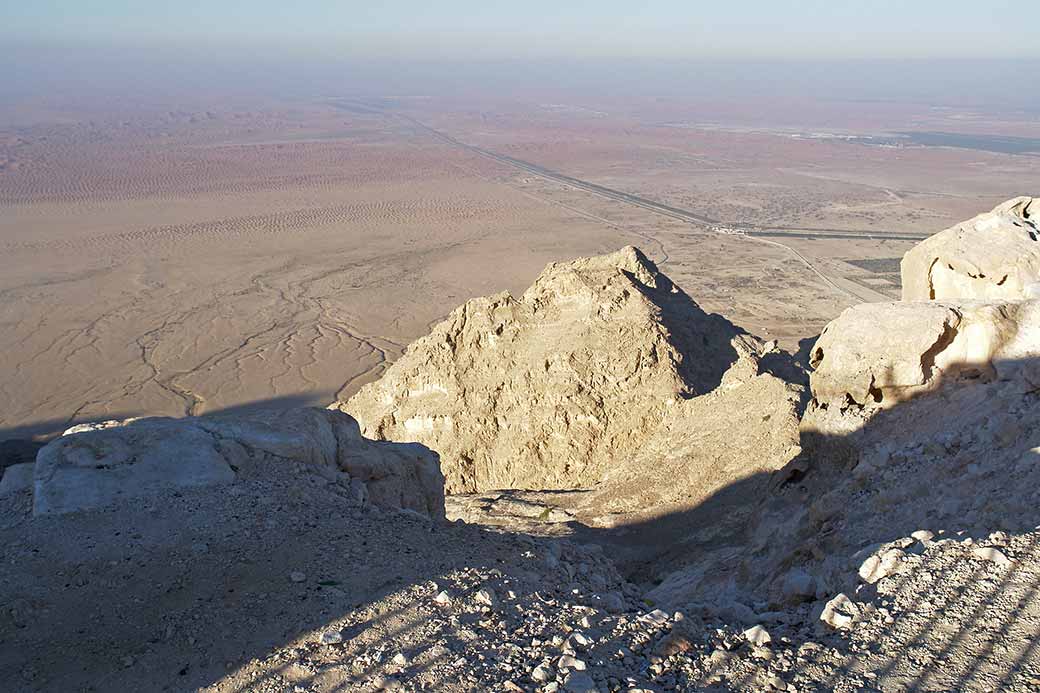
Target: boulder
{"x": 101, "y": 464}
{"x": 995, "y": 256}
{"x": 552, "y": 389}
{"x": 96, "y": 468}
{"x": 16, "y": 479}
{"x": 881, "y": 354}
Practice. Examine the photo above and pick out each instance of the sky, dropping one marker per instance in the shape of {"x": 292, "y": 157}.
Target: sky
{"x": 538, "y": 29}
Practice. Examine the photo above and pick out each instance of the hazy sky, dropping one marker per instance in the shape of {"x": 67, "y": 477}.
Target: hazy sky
{"x": 548, "y": 28}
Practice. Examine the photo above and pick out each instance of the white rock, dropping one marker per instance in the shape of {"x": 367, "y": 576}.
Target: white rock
{"x": 879, "y": 566}
{"x": 331, "y": 637}
{"x": 297, "y": 576}
{"x": 655, "y": 617}
{"x": 840, "y": 613}
{"x": 995, "y": 255}
{"x": 542, "y": 673}
{"x": 878, "y": 355}
{"x": 570, "y": 663}
{"x": 121, "y": 461}
{"x": 487, "y": 597}
{"x": 923, "y": 536}
{"x": 578, "y": 641}
{"x": 757, "y": 635}
{"x": 400, "y": 659}
{"x": 989, "y": 553}
{"x": 442, "y": 598}
{"x": 587, "y": 420}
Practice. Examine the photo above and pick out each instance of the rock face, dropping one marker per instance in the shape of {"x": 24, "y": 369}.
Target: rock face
{"x": 555, "y": 388}
{"x": 740, "y": 433}
{"x": 100, "y": 464}
{"x": 993, "y": 256}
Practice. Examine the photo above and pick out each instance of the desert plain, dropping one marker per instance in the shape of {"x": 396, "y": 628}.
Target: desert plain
{"x": 176, "y": 262}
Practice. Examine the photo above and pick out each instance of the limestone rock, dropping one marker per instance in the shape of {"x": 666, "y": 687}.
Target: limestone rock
{"x": 17, "y": 478}
{"x": 117, "y": 461}
{"x": 757, "y": 635}
{"x": 705, "y": 446}
{"x": 552, "y": 389}
{"x": 880, "y": 565}
{"x": 995, "y": 256}
{"x": 95, "y": 468}
{"x": 840, "y": 613}
{"x": 881, "y": 354}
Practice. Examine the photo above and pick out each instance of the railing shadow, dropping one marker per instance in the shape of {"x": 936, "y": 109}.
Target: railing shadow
{"x": 239, "y": 624}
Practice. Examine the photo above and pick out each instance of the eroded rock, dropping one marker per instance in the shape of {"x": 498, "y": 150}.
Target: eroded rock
{"x": 118, "y": 461}
{"x": 552, "y": 389}
{"x": 994, "y": 256}
{"x": 881, "y": 354}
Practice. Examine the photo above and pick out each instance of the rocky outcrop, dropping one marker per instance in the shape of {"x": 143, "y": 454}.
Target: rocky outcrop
{"x": 740, "y": 434}
{"x": 881, "y": 354}
{"x": 555, "y": 388}
{"x": 993, "y": 256}
{"x": 112, "y": 462}
{"x": 921, "y": 424}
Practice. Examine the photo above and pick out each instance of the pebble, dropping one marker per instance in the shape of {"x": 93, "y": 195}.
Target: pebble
{"x": 578, "y": 640}
{"x": 331, "y": 637}
{"x": 988, "y": 553}
{"x": 442, "y": 598}
{"x": 923, "y": 536}
{"x": 655, "y": 617}
{"x": 542, "y": 673}
{"x": 297, "y": 576}
{"x": 880, "y": 566}
{"x": 580, "y": 682}
{"x": 487, "y": 597}
{"x": 757, "y": 635}
{"x": 572, "y": 663}
{"x": 840, "y": 612}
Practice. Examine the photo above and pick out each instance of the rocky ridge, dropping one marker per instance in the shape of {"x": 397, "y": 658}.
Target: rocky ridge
{"x": 561, "y": 386}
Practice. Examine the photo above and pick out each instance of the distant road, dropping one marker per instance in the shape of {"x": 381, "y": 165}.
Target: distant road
{"x": 660, "y": 208}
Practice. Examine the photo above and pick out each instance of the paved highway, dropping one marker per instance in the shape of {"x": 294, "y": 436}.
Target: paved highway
{"x": 660, "y": 208}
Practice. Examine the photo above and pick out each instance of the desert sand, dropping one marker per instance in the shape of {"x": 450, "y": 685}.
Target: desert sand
{"x": 513, "y": 397}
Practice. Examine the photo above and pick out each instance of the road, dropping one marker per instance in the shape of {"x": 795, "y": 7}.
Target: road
{"x": 753, "y": 232}
{"x": 658, "y": 207}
